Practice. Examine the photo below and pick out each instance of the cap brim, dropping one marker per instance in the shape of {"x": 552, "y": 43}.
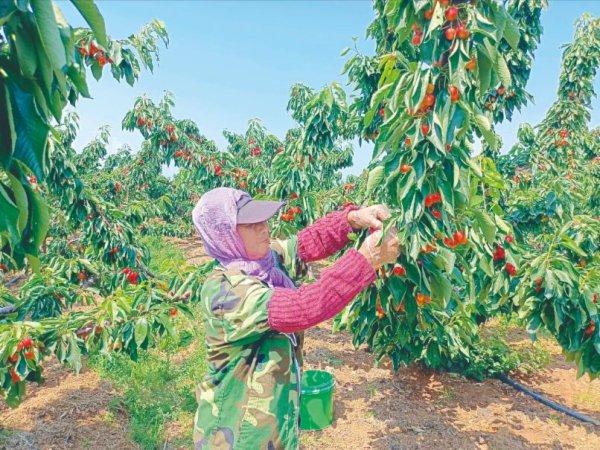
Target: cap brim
{"x": 258, "y": 211}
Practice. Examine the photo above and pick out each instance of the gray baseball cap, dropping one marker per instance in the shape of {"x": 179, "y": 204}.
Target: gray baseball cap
{"x": 254, "y": 211}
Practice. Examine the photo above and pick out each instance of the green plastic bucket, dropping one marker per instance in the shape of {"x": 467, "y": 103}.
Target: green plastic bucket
{"x": 316, "y": 400}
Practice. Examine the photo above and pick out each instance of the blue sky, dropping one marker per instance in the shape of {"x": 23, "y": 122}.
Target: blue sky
{"x": 231, "y": 61}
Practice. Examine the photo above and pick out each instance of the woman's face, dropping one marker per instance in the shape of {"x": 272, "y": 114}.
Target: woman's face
{"x": 256, "y": 239}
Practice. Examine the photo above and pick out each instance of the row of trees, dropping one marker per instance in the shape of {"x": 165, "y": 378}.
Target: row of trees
{"x": 483, "y": 235}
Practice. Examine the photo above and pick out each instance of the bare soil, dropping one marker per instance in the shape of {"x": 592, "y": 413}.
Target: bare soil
{"x": 374, "y": 408}
{"x": 67, "y": 412}
{"x": 419, "y": 408}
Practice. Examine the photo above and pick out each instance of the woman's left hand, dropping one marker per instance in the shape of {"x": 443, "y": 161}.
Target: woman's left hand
{"x": 369, "y": 217}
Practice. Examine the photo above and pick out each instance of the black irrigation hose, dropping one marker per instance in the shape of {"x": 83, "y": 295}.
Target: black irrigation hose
{"x": 540, "y": 398}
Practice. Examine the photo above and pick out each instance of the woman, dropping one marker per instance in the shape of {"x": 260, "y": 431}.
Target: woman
{"x": 254, "y": 314}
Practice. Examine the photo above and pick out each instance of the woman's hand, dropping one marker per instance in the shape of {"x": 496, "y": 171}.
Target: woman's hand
{"x": 369, "y": 217}
{"x": 385, "y": 253}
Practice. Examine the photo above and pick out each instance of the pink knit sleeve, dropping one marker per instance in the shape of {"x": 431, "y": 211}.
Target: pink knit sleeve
{"x": 291, "y": 310}
{"x": 326, "y": 236}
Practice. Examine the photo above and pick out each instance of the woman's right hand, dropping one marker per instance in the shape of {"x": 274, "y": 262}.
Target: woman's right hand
{"x": 386, "y": 253}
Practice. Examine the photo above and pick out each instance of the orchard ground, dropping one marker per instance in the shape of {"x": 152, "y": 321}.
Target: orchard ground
{"x": 150, "y": 404}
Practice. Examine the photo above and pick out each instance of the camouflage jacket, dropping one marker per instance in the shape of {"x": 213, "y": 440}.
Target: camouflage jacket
{"x": 249, "y": 398}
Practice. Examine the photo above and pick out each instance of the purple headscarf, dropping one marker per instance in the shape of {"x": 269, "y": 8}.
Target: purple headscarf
{"x": 215, "y": 218}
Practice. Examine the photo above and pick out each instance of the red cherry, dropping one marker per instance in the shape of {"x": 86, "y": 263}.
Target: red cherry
{"x": 454, "y": 94}
{"x": 429, "y": 100}
{"x": 451, "y": 13}
{"x": 13, "y": 358}
{"x": 293, "y": 196}
{"x": 509, "y": 239}
{"x": 29, "y": 355}
{"x": 510, "y": 269}
{"x": 399, "y": 270}
{"x": 173, "y": 312}
{"x": 132, "y": 277}
{"x": 93, "y": 49}
{"x": 450, "y": 34}
{"x": 462, "y": 32}
{"x": 471, "y": 64}
{"x": 416, "y": 39}
{"x": 381, "y": 112}
{"x": 407, "y": 142}
{"x": 435, "y": 213}
{"x": 405, "y": 168}
{"x": 589, "y": 330}
{"x": 428, "y": 14}
{"x": 459, "y": 237}
{"x": 499, "y": 253}
{"x": 27, "y": 342}
{"x": 425, "y": 129}
{"x": 501, "y": 90}
{"x": 15, "y": 378}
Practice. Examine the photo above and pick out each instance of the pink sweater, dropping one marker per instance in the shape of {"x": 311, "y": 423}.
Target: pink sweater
{"x": 292, "y": 310}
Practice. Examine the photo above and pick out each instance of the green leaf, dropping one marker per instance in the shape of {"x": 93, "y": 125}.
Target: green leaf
{"x": 511, "y": 33}
{"x": 486, "y": 225}
{"x": 26, "y": 53}
{"x": 6, "y": 11}
{"x": 484, "y": 68}
{"x": 78, "y": 80}
{"x": 503, "y": 71}
{"x": 31, "y": 130}
{"x": 374, "y": 179}
{"x": 485, "y": 127}
{"x": 397, "y": 287}
{"x": 7, "y": 129}
{"x": 91, "y": 14}
{"x": 48, "y": 32}
{"x": 9, "y": 217}
{"x": 569, "y": 243}
{"x": 141, "y": 331}
{"x": 39, "y": 217}
{"x": 445, "y": 259}
{"x": 474, "y": 164}
{"x": 20, "y": 196}
{"x": 441, "y": 289}
{"x": 74, "y": 354}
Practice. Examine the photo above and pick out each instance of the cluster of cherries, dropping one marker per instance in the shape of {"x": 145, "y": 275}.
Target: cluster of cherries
{"x": 499, "y": 255}
{"x": 94, "y": 52}
{"x": 131, "y": 275}
{"x": 291, "y": 214}
{"x": 25, "y": 345}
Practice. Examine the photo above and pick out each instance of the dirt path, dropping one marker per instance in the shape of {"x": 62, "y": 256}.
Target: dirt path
{"x": 67, "y": 412}
{"x": 419, "y": 408}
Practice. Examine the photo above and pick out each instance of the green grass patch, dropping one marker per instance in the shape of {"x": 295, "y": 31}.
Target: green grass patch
{"x": 166, "y": 259}
{"x": 159, "y": 388}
